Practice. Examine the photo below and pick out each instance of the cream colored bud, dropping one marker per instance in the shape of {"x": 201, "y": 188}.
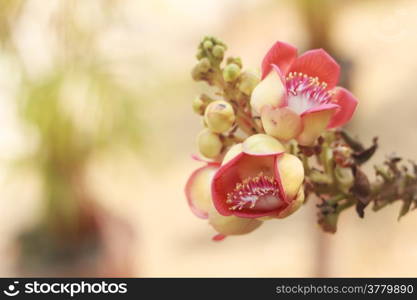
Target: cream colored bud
{"x": 248, "y": 81}
{"x": 209, "y": 143}
{"x": 231, "y": 72}
{"x": 219, "y": 116}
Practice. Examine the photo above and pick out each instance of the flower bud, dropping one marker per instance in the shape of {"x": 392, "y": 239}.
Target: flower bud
{"x": 196, "y": 74}
{"x": 219, "y": 116}
{"x": 248, "y": 81}
{"x": 234, "y": 60}
{"x": 204, "y": 65}
{"x": 199, "y": 106}
{"x": 231, "y": 72}
{"x": 218, "y": 51}
{"x": 209, "y": 143}
{"x": 200, "y": 54}
{"x": 207, "y": 44}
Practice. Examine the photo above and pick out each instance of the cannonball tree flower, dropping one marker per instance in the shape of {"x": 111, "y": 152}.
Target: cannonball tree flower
{"x": 257, "y": 180}
{"x": 298, "y": 97}
{"x": 198, "y": 193}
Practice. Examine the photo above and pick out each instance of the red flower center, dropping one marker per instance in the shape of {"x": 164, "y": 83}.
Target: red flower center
{"x": 256, "y": 193}
{"x": 305, "y": 92}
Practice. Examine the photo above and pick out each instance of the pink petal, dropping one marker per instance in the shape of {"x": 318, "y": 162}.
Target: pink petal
{"x": 218, "y": 237}
{"x": 318, "y": 63}
{"x": 282, "y": 55}
{"x": 199, "y": 158}
{"x": 191, "y": 197}
{"x": 347, "y": 103}
{"x": 321, "y": 107}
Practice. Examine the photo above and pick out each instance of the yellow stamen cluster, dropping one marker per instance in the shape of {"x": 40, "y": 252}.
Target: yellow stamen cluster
{"x": 312, "y": 80}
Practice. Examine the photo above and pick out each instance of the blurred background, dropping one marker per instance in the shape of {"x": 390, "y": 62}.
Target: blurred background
{"x": 97, "y": 130}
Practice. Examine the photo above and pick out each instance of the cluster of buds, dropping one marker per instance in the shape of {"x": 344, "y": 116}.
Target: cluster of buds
{"x": 270, "y": 140}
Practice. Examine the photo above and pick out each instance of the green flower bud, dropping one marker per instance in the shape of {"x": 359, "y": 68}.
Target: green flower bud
{"x": 199, "y": 106}
{"x": 204, "y": 65}
{"x": 234, "y": 60}
{"x": 219, "y": 116}
{"x": 196, "y": 73}
{"x": 218, "y": 51}
{"x": 200, "y": 54}
{"x": 209, "y": 143}
{"x": 248, "y": 81}
{"x": 231, "y": 72}
{"x": 207, "y": 44}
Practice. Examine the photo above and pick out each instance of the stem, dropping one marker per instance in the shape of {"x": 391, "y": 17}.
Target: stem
{"x": 334, "y": 200}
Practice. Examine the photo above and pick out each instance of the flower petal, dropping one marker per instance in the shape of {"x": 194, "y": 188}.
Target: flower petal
{"x": 318, "y": 63}
{"x": 197, "y": 190}
{"x": 315, "y": 122}
{"x": 347, "y": 103}
{"x": 294, "y": 206}
{"x": 232, "y": 225}
{"x": 282, "y": 55}
{"x": 262, "y": 144}
{"x": 291, "y": 173}
{"x": 235, "y": 150}
{"x": 281, "y": 123}
{"x": 270, "y": 91}
{"x": 218, "y": 237}
{"x": 236, "y": 171}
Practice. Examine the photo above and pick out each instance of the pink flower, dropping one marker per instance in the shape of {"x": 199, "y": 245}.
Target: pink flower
{"x": 257, "y": 179}
{"x": 198, "y": 193}
{"x": 298, "y": 97}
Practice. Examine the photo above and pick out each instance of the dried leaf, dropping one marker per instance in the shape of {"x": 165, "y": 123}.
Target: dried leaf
{"x": 361, "y": 189}
{"x": 355, "y": 145}
{"x": 364, "y": 155}
{"x": 405, "y": 208}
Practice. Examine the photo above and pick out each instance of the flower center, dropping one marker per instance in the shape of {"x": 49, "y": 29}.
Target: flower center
{"x": 259, "y": 193}
{"x": 305, "y": 92}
